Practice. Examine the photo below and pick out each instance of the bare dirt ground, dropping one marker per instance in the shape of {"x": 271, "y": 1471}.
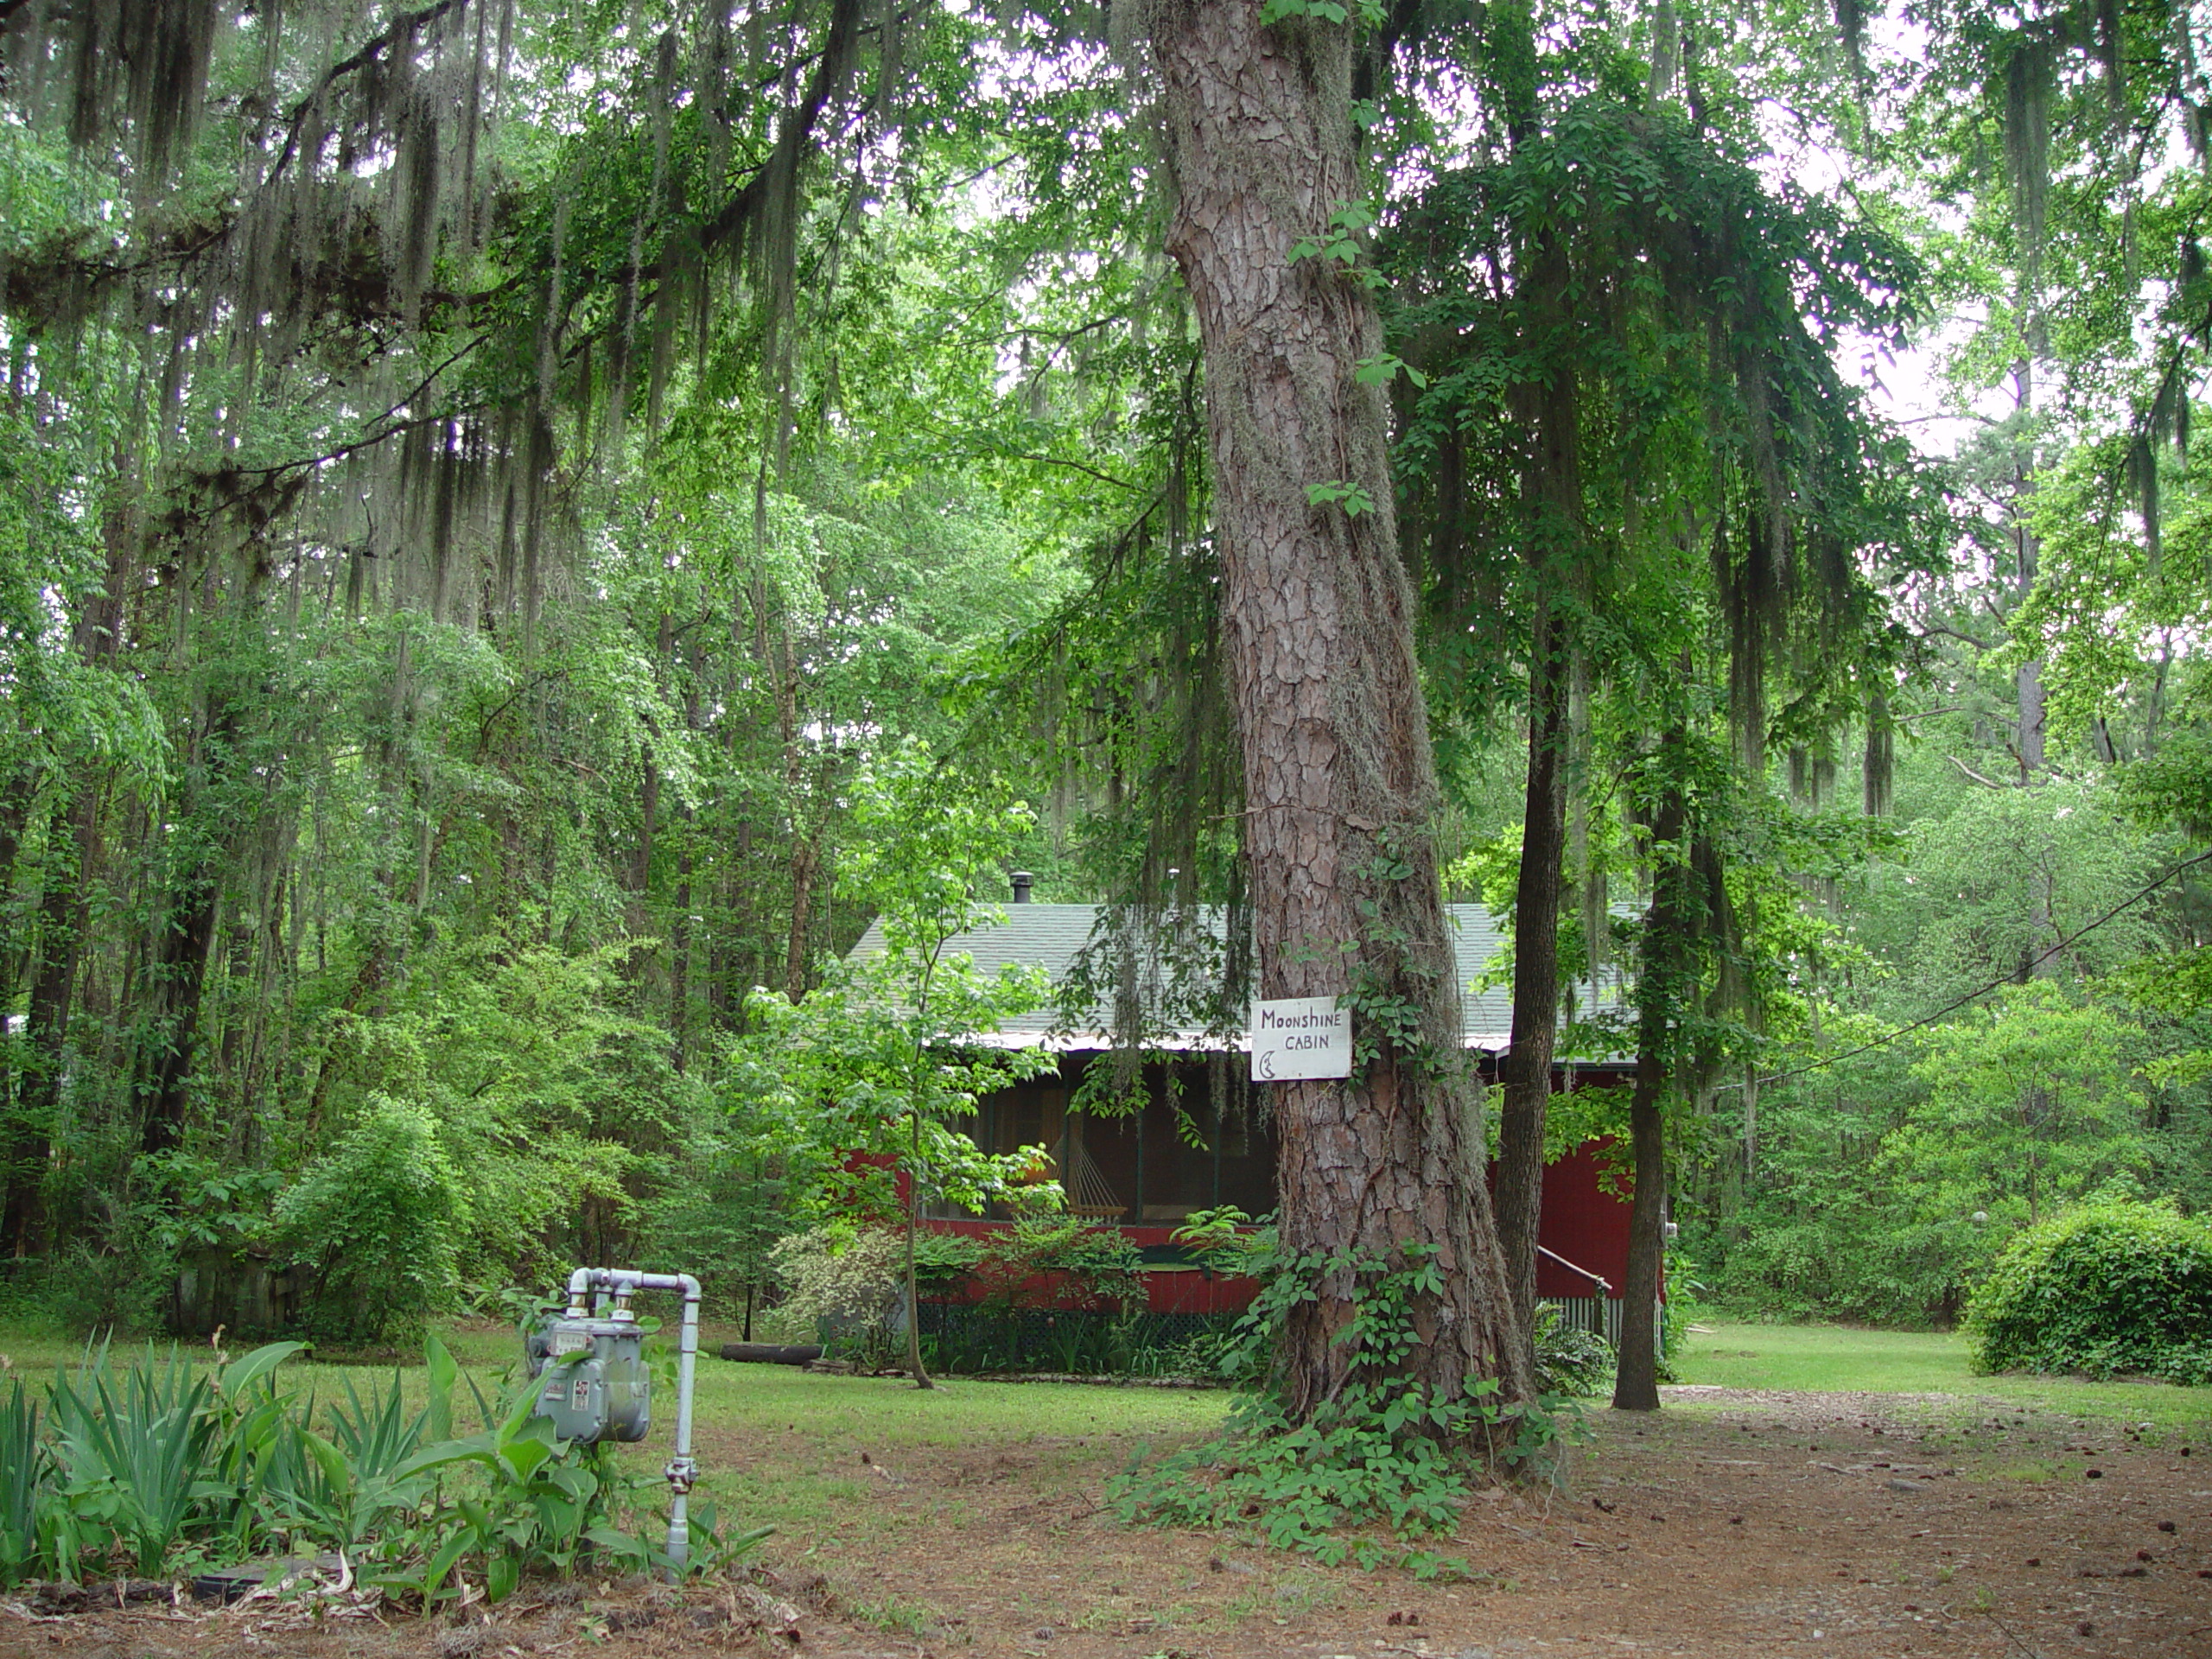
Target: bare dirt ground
{"x": 1735, "y": 1524}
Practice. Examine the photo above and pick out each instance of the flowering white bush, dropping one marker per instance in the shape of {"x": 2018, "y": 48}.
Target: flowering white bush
{"x": 847, "y": 1282}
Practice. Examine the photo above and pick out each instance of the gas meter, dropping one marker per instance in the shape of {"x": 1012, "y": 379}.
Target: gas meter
{"x": 593, "y": 1379}
{"x": 591, "y": 1382}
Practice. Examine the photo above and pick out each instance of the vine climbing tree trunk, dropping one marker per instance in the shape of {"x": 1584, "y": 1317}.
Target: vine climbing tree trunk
{"x": 1341, "y": 788}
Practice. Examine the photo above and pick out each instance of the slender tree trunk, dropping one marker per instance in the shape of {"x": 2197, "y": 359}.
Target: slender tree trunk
{"x": 641, "y": 867}
{"x": 914, "y": 1206}
{"x": 1660, "y": 993}
{"x": 72, "y": 853}
{"x": 679, "y": 933}
{"x": 70, "y": 844}
{"x": 1635, "y": 1381}
{"x": 20, "y": 1151}
{"x": 1536, "y": 970}
{"x": 182, "y": 955}
{"x": 1552, "y": 407}
{"x": 641, "y": 863}
{"x": 16, "y": 795}
{"x": 804, "y": 868}
{"x": 1340, "y": 787}
{"x": 2029, "y": 693}
{"x": 2154, "y": 705}
{"x": 2027, "y": 680}
{"x": 1750, "y": 1128}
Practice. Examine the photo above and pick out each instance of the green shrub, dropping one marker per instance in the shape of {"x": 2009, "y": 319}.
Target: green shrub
{"x": 2114, "y": 1287}
{"x": 713, "y": 1209}
{"x": 1080, "y": 1265}
{"x": 1052, "y": 1292}
{"x": 943, "y": 1261}
{"x": 378, "y": 1222}
{"x": 848, "y": 1286}
{"x": 1569, "y": 1360}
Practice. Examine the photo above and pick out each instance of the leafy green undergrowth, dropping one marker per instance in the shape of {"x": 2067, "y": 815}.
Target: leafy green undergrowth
{"x": 1843, "y": 1358}
{"x": 1376, "y": 1471}
{"x": 161, "y": 1463}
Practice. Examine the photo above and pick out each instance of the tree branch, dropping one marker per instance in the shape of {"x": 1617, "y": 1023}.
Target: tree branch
{"x": 830, "y": 68}
{"x": 1987, "y": 783}
{"x": 1010, "y": 453}
{"x": 407, "y": 23}
{"x": 1933, "y": 628}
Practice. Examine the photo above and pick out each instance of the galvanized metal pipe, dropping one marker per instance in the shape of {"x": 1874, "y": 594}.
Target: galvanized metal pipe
{"x": 682, "y": 1470}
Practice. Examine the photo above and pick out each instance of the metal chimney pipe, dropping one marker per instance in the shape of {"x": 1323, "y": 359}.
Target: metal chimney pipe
{"x": 1021, "y": 881}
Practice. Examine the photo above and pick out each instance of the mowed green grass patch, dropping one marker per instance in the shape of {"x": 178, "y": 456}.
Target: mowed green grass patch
{"x": 485, "y": 1353}
{"x": 1831, "y": 1358}
{"x": 817, "y": 1455}
{"x": 752, "y": 1404}
{"x": 1825, "y": 1358}
{"x": 886, "y": 1412}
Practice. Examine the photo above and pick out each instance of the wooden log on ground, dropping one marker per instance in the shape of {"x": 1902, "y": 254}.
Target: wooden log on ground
{"x": 772, "y": 1353}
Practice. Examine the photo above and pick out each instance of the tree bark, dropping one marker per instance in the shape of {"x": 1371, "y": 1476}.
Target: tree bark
{"x": 1636, "y": 1378}
{"x": 679, "y": 933}
{"x": 912, "y": 1208}
{"x": 2027, "y": 679}
{"x": 1340, "y": 786}
{"x": 1662, "y": 988}
{"x": 1528, "y": 1068}
{"x": 803, "y": 866}
{"x": 1551, "y": 406}
{"x": 178, "y": 980}
{"x": 15, "y": 795}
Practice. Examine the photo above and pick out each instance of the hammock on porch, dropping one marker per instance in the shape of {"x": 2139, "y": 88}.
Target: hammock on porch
{"x": 1087, "y": 1193}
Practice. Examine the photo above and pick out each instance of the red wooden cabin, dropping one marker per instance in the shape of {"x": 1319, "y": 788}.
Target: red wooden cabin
{"x": 1205, "y": 1137}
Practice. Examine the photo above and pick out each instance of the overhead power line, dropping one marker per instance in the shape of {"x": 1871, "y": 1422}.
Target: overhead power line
{"x": 1979, "y": 992}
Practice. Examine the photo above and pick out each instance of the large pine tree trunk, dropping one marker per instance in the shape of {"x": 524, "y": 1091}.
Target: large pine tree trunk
{"x": 1341, "y": 788}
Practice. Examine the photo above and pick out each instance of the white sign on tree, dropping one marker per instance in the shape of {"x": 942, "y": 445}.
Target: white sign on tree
{"x": 1300, "y": 1036}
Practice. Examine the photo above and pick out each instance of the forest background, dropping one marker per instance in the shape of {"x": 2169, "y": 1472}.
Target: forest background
{"x": 494, "y": 500}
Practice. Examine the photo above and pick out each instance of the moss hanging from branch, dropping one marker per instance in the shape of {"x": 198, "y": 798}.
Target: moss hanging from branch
{"x": 2027, "y": 161}
{"x": 1879, "y": 767}
{"x": 1739, "y": 438}
{"x": 459, "y": 340}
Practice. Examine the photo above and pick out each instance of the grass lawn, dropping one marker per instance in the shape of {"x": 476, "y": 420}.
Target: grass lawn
{"x": 971, "y": 1517}
{"x": 747, "y": 1404}
{"x": 1849, "y": 1359}
{"x": 750, "y": 1403}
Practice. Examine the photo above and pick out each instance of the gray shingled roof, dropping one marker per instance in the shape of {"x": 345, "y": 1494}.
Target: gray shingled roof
{"x": 1048, "y": 936}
